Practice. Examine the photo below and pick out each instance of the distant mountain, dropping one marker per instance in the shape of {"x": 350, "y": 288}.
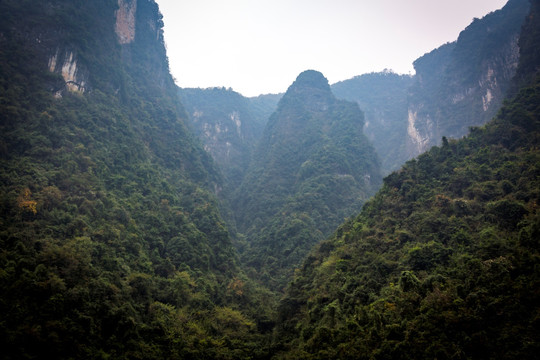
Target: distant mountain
{"x": 463, "y": 83}
{"x": 444, "y": 261}
{"x": 313, "y": 168}
{"x": 265, "y": 105}
{"x": 112, "y": 245}
{"x": 383, "y": 99}
{"x": 457, "y": 85}
{"x": 229, "y": 126}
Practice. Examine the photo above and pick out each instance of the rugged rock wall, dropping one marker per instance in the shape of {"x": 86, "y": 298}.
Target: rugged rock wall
{"x": 66, "y": 64}
{"x": 462, "y": 84}
{"x": 229, "y": 126}
{"x": 125, "y": 21}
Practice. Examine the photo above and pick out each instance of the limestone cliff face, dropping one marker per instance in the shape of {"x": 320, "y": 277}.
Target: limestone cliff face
{"x": 383, "y": 99}
{"x": 228, "y": 125}
{"x": 418, "y": 142}
{"x": 125, "y": 21}
{"x": 65, "y": 63}
{"x": 126, "y": 36}
{"x": 463, "y": 84}
{"x": 65, "y": 58}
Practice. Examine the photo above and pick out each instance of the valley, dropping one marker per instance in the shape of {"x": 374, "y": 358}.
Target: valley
{"x": 386, "y": 216}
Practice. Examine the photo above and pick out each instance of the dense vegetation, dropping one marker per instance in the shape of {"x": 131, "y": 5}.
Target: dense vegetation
{"x": 442, "y": 263}
{"x": 111, "y": 244}
{"x": 313, "y": 168}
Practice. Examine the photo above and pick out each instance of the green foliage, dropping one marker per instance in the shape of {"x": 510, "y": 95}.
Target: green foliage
{"x": 312, "y": 169}
{"x": 441, "y": 263}
{"x": 112, "y": 245}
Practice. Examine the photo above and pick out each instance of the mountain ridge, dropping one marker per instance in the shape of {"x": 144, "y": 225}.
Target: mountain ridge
{"x": 312, "y": 168}
{"x": 457, "y": 85}
{"x": 112, "y": 241}
{"x": 442, "y": 262}
{"x": 115, "y": 243}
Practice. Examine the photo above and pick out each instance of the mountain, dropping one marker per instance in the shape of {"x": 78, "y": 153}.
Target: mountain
{"x": 112, "y": 244}
{"x": 265, "y": 105}
{"x": 463, "y": 83}
{"x": 383, "y": 99}
{"x": 457, "y": 85}
{"x": 444, "y": 261}
{"x": 313, "y": 167}
{"x": 113, "y": 239}
{"x": 229, "y": 126}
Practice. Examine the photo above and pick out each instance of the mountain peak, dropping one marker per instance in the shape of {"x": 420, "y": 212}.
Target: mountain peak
{"x": 311, "y": 89}
{"x": 310, "y": 79}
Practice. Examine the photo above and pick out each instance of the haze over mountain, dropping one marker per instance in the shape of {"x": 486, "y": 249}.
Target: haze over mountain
{"x": 130, "y": 229}
{"x": 229, "y": 126}
{"x": 383, "y": 99}
{"x": 457, "y": 85}
{"x": 259, "y": 47}
{"x": 462, "y": 84}
{"x": 443, "y": 261}
{"x": 313, "y": 167}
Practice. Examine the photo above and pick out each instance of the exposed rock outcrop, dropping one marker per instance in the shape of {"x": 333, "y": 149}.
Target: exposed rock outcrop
{"x": 463, "y": 84}
{"x": 65, "y": 63}
{"x": 125, "y": 21}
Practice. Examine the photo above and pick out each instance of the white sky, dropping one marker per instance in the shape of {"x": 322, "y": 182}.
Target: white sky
{"x": 260, "y": 46}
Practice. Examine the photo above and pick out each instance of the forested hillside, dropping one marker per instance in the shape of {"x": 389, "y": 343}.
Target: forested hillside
{"x": 443, "y": 263}
{"x": 111, "y": 244}
{"x": 313, "y": 168}
{"x": 115, "y": 244}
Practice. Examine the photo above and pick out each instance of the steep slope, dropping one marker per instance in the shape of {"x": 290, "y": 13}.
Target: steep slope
{"x": 313, "y": 168}
{"x": 443, "y": 262}
{"x": 463, "y": 83}
{"x": 264, "y": 105}
{"x": 229, "y": 126}
{"x": 111, "y": 242}
{"x": 457, "y": 85}
{"x": 383, "y": 99}
{"x": 529, "y": 44}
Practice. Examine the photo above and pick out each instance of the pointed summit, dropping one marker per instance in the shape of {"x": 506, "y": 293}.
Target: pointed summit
{"x": 313, "y": 167}
{"x": 311, "y": 89}
{"x": 310, "y": 79}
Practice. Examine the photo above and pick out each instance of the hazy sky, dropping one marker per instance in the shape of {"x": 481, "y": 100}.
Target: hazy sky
{"x": 260, "y": 46}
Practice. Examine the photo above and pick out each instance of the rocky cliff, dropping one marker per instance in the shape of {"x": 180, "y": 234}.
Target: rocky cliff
{"x": 462, "y": 84}
{"x": 456, "y": 86}
{"x": 383, "y": 99}
{"x": 229, "y": 126}
{"x": 125, "y": 21}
